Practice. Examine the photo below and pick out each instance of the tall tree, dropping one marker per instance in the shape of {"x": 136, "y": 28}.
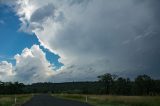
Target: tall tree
{"x": 143, "y": 85}
{"x": 108, "y": 80}
{"x": 122, "y": 86}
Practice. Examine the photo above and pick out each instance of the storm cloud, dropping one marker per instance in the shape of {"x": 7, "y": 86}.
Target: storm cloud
{"x": 97, "y": 36}
{"x": 42, "y": 13}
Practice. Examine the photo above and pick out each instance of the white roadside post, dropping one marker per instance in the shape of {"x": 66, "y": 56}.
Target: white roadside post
{"x": 15, "y": 99}
{"x": 86, "y": 98}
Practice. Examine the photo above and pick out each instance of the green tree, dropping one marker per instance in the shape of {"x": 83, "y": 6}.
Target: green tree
{"x": 122, "y": 86}
{"x": 143, "y": 85}
{"x": 108, "y": 80}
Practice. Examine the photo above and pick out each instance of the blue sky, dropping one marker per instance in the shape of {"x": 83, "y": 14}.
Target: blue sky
{"x": 13, "y": 41}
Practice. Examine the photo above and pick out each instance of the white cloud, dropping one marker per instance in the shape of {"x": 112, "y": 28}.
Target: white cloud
{"x": 91, "y": 37}
{"x": 6, "y": 71}
{"x": 91, "y": 34}
{"x": 32, "y": 66}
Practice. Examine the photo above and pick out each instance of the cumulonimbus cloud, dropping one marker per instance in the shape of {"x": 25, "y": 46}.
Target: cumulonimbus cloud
{"x": 93, "y": 37}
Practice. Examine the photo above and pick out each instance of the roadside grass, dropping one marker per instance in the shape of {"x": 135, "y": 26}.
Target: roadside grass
{"x": 9, "y": 100}
{"x": 103, "y": 100}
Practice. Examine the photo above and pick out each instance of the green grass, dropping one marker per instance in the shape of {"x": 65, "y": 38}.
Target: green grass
{"x": 102, "y": 100}
{"x": 9, "y": 100}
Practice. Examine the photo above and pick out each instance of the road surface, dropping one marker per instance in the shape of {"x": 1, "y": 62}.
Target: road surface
{"x": 47, "y": 100}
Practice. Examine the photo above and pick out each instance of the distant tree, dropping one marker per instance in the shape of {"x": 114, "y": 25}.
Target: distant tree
{"x": 128, "y": 87}
{"x": 156, "y": 87}
{"x": 143, "y": 85}
{"x": 122, "y": 86}
{"x": 107, "y": 84}
{"x": 108, "y": 80}
{"x": 18, "y": 87}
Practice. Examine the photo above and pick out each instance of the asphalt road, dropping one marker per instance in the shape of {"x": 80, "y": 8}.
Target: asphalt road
{"x": 47, "y": 100}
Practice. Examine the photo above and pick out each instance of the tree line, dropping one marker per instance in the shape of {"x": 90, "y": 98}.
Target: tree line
{"x": 142, "y": 85}
{"x": 106, "y": 84}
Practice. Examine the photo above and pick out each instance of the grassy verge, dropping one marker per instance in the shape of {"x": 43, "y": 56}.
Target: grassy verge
{"x": 9, "y": 100}
{"x": 101, "y": 100}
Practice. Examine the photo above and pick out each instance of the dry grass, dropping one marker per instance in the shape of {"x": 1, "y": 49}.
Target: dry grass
{"x": 9, "y": 100}
{"x": 103, "y": 100}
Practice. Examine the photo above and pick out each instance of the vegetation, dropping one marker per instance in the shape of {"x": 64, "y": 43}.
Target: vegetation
{"x": 103, "y": 100}
{"x": 9, "y": 100}
{"x": 108, "y": 80}
{"x": 11, "y": 88}
{"x": 107, "y": 84}
{"x": 142, "y": 91}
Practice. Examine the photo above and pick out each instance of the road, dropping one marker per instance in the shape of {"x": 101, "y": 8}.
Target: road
{"x": 47, "y": 100}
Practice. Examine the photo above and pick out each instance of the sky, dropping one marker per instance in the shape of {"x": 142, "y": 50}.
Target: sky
{"x": 77, "y": 40}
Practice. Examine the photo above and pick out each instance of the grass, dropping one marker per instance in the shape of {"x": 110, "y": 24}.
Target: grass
{"x": 9, "y": 100}
{"x": 102, "y": 100}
